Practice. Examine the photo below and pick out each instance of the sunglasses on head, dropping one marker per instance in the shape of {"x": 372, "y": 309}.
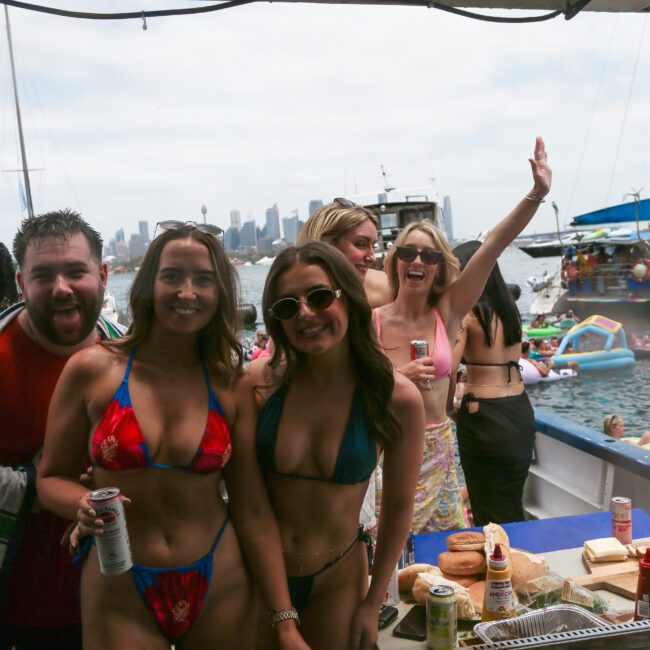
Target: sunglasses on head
{"x": 172, "y": 224}
{"x": 427, "y": 255}
{"x": 346, "y": 203}
{"x": 287, "y": 308}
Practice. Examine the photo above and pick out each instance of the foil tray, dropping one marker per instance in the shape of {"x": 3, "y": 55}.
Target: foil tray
{"x": 550, "y": 620}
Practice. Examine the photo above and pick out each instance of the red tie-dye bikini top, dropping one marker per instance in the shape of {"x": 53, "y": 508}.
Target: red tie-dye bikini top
{"x": 118, "y": 443}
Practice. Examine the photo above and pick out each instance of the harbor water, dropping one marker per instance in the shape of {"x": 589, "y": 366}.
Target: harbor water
{"x": 586, "y": 399}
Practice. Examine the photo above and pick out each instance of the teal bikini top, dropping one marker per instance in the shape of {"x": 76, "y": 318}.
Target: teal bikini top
{"x": 357, "y": 457}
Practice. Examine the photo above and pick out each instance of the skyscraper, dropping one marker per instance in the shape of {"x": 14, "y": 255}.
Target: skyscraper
{"x": 290, "y": 227}
{"x": 447, "y": 219}
{"x": 231, "y": 239}
{"x": 143, "y": 227}
{"x": 235, "y": 219}
{"x": 119, "y": 235}
{"x": 314, "y": 204}
{"x": 248, "y": 235}
{"x": 273, "y": 222}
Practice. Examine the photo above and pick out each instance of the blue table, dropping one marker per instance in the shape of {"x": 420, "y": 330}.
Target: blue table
{"x": 542, "y": 535}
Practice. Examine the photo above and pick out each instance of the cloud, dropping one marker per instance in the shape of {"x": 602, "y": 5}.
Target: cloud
{"x": 287, "y": 103}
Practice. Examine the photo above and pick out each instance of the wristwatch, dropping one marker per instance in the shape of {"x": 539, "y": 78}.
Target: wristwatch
{"x": 279, "y": 615}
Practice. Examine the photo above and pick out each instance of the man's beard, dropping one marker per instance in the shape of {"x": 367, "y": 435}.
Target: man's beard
{"x": 89, "y": 309}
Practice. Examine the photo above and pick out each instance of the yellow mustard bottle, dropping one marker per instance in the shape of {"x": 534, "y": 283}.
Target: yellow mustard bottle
{"x": 498, "y": 602}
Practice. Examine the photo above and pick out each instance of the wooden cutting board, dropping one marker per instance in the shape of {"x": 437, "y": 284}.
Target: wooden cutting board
{"x": 623, "y": 584}
{"x": 618, "y": 577}
{"x": 610, "y": 568}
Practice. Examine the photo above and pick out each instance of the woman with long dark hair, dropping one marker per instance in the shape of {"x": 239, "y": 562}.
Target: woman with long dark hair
{"x": 431, "y": 297}
{"x": 330, "y": 403}
{"x": 495, "y": 421}
{"x": 166, "y": 418}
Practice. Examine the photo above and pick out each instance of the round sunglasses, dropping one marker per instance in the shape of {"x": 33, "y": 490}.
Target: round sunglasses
{"x": 319, "y": 299}
{"x": 428, "y": 256}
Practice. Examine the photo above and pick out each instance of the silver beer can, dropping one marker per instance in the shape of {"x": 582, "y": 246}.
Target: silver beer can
{"x": 113, "y": 546}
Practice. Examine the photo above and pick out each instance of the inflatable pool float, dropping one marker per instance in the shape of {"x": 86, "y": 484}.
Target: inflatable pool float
{"x": 542, "y": 332}
{"x": 612, "y": 354}
{"x": 530, "y": 374}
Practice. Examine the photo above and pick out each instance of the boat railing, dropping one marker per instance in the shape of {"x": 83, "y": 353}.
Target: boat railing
{"x": 609, "y": 276}
{"x": 577, "y": 470}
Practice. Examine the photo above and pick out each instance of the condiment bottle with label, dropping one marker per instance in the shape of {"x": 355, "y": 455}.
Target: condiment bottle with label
{"x": 498, "y": 602}
{"x": 642, "y": 604}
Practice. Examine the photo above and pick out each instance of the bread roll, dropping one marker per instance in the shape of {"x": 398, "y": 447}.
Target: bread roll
{"x": 466, "y": 581}
{"x": 476, "y": 595}
{"x": 526, "y": 566}
{"x": 462, "y": 563}
{"x": 406, "y": 576}
{"x": 466, "y": 541}
{"x": 494, "y": 534}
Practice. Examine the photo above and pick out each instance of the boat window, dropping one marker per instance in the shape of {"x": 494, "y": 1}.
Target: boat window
{"x": 389, "y": 220}
{"x": 409, "y": 216}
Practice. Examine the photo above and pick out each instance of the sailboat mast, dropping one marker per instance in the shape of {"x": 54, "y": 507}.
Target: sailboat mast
{"x": 28, "y": 189}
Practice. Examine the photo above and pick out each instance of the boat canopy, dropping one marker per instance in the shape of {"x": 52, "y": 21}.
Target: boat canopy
{"x": 625, "y": 212}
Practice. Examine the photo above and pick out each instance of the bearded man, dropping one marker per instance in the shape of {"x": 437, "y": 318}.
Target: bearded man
{"x": 62, "y": 280}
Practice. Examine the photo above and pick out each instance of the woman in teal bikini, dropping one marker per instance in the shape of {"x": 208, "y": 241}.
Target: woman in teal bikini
{"x": 166, "y": 420}
{"x": 329, "y": 405}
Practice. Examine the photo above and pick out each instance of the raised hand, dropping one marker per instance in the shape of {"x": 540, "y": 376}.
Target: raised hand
{"x": 542, "y": 174}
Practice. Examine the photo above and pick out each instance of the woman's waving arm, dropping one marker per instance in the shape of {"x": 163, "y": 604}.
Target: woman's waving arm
{"x": 462, "y": 295}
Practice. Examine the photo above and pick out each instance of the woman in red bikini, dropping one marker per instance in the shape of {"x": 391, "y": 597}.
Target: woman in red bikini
{"x": 430, "y": 299}
{"x": 165, "y": 420}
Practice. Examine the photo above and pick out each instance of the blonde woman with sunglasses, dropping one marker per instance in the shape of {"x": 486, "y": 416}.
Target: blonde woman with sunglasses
{"x": 167, "y": 418}
{"x": 430, "y": 299}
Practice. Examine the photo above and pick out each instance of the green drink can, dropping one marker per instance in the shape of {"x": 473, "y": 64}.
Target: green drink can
{"x": 442, "y": 631}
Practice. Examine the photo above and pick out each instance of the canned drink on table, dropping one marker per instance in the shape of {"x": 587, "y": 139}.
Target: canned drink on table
{"x": 442, "y": 631}
{"x": 419, "y": 348}
{"x": 113, "y": 546}
{"x": 621, "y": 508}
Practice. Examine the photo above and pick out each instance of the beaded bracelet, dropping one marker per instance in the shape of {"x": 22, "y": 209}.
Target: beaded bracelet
{"x": 535, "y": 199}
{"x": 279, "y": 615}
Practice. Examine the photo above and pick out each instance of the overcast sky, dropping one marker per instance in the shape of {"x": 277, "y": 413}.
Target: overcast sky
{"x": 284, "y": 103}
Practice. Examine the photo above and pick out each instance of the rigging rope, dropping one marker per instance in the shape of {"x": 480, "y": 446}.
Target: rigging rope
{"x": 572, "y": 8}
{"x": 627, "y": 106}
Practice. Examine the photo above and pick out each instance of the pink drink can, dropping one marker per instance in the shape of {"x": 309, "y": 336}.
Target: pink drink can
{"x": 419, "y": 348}
{"x": 113, "y": 546}
{"x": 621, "y": 508}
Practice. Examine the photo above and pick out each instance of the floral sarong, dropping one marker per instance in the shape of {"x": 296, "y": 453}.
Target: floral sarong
{"x": 438, "y": 503}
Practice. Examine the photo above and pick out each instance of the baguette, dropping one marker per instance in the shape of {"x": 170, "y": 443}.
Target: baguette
{"x": 494, "y": 534}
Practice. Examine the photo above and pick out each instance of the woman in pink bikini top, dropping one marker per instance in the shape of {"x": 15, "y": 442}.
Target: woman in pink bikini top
{"x": 430, "y": 299}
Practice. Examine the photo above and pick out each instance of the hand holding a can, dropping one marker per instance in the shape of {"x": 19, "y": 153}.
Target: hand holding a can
{"x": 88, "y": 522}
{"x": 420, "y": 371}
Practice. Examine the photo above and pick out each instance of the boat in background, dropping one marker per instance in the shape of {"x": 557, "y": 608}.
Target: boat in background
{"x": 607, "y": 271}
